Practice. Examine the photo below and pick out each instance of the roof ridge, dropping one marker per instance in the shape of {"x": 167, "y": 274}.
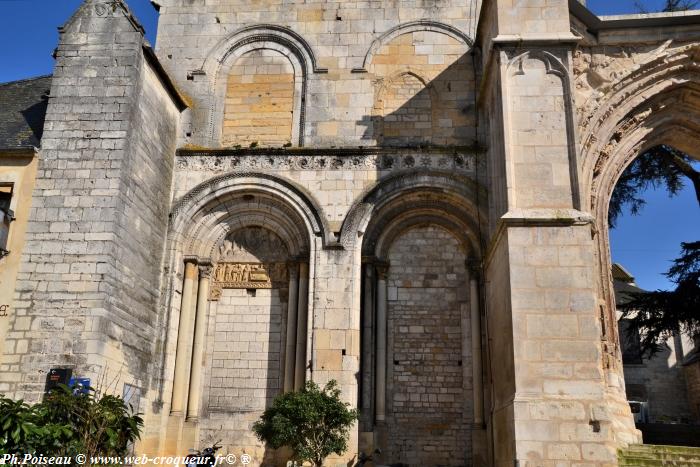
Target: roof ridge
{"x": 26, "y": 79}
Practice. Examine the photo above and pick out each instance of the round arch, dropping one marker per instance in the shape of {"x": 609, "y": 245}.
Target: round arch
{"x": 260, "y": 37}
{"x": 285, "y": 204}
{"x": 382, "y": 89}
{"x": 409, "y": 27}
{"x": 420, "y": 234}
{"x": 254, "y": 211}
{"x": 436, "y": 191}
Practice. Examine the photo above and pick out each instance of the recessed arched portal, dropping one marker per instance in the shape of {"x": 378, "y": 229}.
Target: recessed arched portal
{"x": 421, "y": 384}
{"x": 243, "y": 244}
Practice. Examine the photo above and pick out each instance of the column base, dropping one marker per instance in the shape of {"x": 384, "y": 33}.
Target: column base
{"x": 173, "y": 434}
{"x": 365, "y": 442}
{"x": 480, "y": 446}
{"x": 190, "y": 435}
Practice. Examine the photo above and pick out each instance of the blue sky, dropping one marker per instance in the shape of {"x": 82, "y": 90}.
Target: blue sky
{"x": 621, "y": 7}
{"x": 644, "y": 244}
{"x": 28, "y": 29}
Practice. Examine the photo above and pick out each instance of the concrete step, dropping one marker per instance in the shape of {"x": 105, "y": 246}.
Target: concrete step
{"x": 656, "y": 449}
{"x": 646, "y": 462}
{"x": 647, "y": 455}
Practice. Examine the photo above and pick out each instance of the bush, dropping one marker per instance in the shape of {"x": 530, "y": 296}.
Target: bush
{"x": 66, "y": 424}
{"x": 314, "y": 423}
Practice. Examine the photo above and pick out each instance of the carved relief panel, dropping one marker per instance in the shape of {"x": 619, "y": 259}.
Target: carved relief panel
{"x": 250, "y": 258}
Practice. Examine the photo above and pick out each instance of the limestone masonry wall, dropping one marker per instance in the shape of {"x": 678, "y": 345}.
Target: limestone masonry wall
{"x": 428, "y": 400}
{"x": 259, "y": 100}
{"x": 245, "y": 365}
{"x": 347, "y": 54}
{"x": 89, "y": 280}
{"x": 372, "y": 192}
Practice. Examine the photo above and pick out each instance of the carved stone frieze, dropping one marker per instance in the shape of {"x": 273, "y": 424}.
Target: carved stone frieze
{"x": 597, "y": 70}
{"x": 247, "y": 276}
{"x": 213, "y": 162}
{"x": 252, "y": 244}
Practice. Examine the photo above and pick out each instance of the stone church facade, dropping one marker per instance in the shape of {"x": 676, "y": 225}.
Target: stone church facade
{"x": 408, "y": 197}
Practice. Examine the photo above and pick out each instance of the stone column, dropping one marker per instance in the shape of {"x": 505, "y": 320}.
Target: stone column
{"x": 200, "y": 326}
{"x": 467, "y": 350}
{"x": 477, "y": 384}
{"x": 302, "y": 323}
{"x": 366, "y": 338}
{"x": 184, "y": 334}
{"x": 380, "y": 377}
{"x": 289, "y": 356}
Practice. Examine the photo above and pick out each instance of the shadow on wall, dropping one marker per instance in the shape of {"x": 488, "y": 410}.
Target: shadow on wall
{"x": 412, "y": 110}
{"x": 35, "y": 115}
{"x": 424, "y": 97}
{"x": 658, "y": 382}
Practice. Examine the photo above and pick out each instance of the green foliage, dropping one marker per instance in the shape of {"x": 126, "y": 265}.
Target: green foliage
{"x": 660, "y": 166}
{"x": 670, "y": 6}
{"x": 65, "y": 424}
{"x": 313, "y": 422}
{"x": 680, "y": 5}
{"x": 659, "y": 315}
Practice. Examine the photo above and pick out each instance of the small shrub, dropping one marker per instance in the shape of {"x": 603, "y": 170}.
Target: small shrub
{"x": 65, "y": 424}
{"x": 313, "y": 422}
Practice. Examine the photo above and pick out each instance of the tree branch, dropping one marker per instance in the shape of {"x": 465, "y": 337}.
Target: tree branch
{"x": 686, "y": 169}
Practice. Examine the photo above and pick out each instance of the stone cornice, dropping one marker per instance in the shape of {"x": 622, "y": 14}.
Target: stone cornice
{"x": 309, "y": 151}
{"x": 461, "y": 159}
{"x": 527, "y": 40}
{"x": 535, "y": 218}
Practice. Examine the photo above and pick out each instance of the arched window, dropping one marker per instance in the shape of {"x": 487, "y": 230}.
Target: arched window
{"x": 259, "y": 103}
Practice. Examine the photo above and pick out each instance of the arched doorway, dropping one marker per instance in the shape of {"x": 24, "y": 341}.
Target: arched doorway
{"x": 244, "y": 245}
{"x": 421, "y": 389}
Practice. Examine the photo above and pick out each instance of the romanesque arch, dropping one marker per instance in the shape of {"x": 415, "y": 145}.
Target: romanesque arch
{"x": 424, "y": 79}
{"x": 241, "y": 254}
{"x": 404, "y": 109}
{"x": 655, "y": 103}
{"x": 421, "y": 385}
{"x": 407, "y": 28}
{"x": 264, "y": 46}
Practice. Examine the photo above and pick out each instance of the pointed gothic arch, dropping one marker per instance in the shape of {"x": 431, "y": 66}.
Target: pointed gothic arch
{"x": 656, "y": 103}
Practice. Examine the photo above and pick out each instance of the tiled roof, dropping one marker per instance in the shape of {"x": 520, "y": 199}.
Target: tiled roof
{"x": 624, "y": 292}
{"x": 22, "y": 111}
{"x": 624, "y": 285}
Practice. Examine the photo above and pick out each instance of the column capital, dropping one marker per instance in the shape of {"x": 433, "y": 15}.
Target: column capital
{"x": 191, "y": 259}
{"x": 293, "y": 269}
{"x": 474, "y": 267}
{"x": 206, "y": 269}
{"x": 382, "y": 269}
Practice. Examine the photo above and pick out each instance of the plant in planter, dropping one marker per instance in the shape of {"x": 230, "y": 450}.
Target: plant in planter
{"x": 313, "y": 422}
{"x": 67, "y": 423}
